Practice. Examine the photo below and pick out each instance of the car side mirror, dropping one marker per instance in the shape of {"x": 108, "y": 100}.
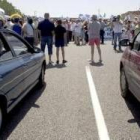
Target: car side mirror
{"x": 37, "y": 50}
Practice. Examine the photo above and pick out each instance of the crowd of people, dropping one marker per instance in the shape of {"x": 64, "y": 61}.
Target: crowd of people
{"x": 60, "y": 32}
{"x": 124, "y": 31}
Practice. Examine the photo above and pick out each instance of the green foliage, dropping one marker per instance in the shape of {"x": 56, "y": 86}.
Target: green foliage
{"x": 8, "y": 7}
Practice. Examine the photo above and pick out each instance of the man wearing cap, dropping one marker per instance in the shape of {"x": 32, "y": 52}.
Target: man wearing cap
{"x": 94, "y": 37}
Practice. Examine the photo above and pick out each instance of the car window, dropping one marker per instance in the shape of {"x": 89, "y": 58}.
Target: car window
{"x": 137, "y": 43}
{"x": 18, "y": 46}
{"x": 5, "y": 54}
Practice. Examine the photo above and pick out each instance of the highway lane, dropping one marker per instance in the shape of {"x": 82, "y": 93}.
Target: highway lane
{"x": 63, "y": 109}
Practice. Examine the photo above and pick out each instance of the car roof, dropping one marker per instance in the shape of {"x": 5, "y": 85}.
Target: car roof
{"x": 6, "y": 30}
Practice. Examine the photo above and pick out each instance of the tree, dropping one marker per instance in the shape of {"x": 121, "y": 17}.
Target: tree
{"x": 9, "y": 8}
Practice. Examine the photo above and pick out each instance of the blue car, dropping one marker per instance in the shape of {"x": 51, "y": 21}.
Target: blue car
{"x": 21, "y": 68}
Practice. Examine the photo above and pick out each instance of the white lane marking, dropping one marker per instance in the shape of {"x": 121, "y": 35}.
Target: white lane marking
{"x": 100, "y": 122}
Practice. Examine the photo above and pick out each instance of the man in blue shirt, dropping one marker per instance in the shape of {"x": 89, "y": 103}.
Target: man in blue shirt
{"x": 46, "y": 29}
{"x": 17, "y": 27}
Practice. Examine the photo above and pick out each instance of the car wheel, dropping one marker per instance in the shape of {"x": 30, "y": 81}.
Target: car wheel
{"x": 1, "y": 118}
{"x": 124, "y": 84}
{"x": 42, "y": 76}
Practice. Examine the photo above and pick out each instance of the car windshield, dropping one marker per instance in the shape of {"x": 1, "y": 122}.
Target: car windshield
{"x": 5, "y": 53}
{"x": 17, "y": 45}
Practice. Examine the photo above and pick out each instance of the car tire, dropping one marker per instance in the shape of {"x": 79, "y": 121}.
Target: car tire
{"x": 124, "y": 84}
{"x": 42, "y": 77}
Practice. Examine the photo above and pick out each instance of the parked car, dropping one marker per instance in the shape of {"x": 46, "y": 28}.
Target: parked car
{"x": 130, "y": 69}
{"x": 21, "y": 68}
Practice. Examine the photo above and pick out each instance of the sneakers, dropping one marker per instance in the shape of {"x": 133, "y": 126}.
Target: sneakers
{"x": 120, "y": 50}
{"x": 57, "y": 62}
{"x": 91, "y": 61}
{"x": 51, "y": 62}
{"x": 64, "y": 61}
{"x": 100, "y": 61}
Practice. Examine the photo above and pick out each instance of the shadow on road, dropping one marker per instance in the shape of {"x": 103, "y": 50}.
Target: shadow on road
{"x": 59, "y": 66}
{"x": 20, "y": 111}
{"x": 98, "y": 64}
{"x": 134, "y": 106}
{"x": 119, "y": 51}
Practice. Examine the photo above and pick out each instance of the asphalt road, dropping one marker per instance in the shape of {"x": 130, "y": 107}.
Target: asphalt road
{"x": 63, "y": 109}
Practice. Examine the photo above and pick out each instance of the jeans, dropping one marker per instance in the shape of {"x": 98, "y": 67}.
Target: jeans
{"x": 70, "y": 35}
{"x": 117, "y": 36}
{"x": 65, "y": 39}
{"x": 49, "y": 41}
{"x": 30, "y": 40}
{"x": 102, "y": 36}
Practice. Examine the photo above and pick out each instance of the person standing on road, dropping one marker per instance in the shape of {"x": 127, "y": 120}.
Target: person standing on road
{"x": 73, "y": 32}
{"x": 77, "y": 30}
{"x": 17, "y": 27}
{"x": 59, "y": 41}
{"x": 86, "y": 31}
{"x": 46, "y": 30}
{"x": 28, "y": 31}
{"x": 9, "y": 24}
{"x": 117, "y": 28}
{"x": 83, "y": 34}
{"x": 94, "y": 37}
{"x": 65, "y": 25}
{"x": 1, "y": 23}
{"x": 102, "y": 32}
{"x": 137, "y": 30}
{"x": 70, "y": 30}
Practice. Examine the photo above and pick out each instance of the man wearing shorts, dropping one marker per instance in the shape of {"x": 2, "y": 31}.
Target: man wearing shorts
{"x": 46, "y": 28}
{"x": 94, "y": 37}
{"x": 59, "y": 41}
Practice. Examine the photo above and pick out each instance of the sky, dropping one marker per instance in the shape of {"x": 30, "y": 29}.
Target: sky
{"x": 72, "y": 8}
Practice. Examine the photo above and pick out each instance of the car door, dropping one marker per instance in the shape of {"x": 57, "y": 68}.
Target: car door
{"x": 22, "y": 51}
{"x": 11, "y": 70}
{"x": 135, "y": 67}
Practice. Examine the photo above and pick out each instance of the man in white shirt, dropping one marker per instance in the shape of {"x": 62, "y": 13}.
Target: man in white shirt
{"x": 117, "y": 28}
{"x": 72, "y": 29}
{"x": 28, "y": 31}
{"x": 77, "y": 30}
{"x": 102, "y": 32}
{"x": 9, "y": 24}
